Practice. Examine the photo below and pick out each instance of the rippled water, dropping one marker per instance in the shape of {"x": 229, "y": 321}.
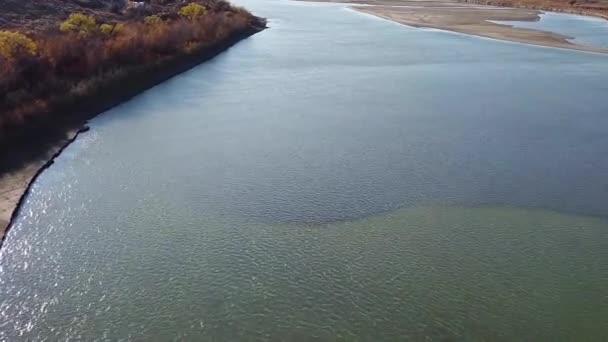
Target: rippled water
{"x": 333, "y": 177}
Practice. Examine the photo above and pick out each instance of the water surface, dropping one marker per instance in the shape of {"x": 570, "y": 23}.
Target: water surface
{"x": 333, "y": 177}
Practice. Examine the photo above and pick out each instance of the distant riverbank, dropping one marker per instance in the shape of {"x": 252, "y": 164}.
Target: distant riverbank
{"x": 461, "y": 17}
{"x": 596, "y": 8}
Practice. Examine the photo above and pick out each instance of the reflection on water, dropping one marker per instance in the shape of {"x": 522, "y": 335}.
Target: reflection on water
{"x": 258, "y": 196}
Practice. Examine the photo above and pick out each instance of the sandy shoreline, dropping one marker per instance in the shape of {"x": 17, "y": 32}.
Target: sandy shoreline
{"x": 467, "y": 18}
{"x": 14, "y": 185}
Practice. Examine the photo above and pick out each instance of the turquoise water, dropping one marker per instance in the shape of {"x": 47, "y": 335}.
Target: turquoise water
{"x": 334, "y": 177}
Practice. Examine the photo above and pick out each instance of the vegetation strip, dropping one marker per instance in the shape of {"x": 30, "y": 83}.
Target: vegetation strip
{"x": 44, "y": 76}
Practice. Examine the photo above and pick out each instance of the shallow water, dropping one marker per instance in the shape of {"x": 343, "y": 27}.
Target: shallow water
{"x": 335, "y": 176}
{"x": 583, "y": 30}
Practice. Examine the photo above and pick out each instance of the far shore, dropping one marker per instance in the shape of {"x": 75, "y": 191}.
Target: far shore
{"x": 467, "y": 18}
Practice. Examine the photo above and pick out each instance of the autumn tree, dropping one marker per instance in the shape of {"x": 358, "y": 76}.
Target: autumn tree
{"x": 106, "y": 28}
{"x": 192, "y": 10}
{"x": 79, "y": 23}
{"x": 14, "y": 45}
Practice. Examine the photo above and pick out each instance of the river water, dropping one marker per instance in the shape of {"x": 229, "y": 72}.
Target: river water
{"x": 336, "y": 176}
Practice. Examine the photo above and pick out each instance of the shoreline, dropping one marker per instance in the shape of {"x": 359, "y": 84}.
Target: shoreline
{"x": 15, "y": 184}
{"x": 467, "y": 17}
{"x": 28, "y": 176}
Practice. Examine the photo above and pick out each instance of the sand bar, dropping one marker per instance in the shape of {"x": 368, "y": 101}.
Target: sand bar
{"x": 467, "y": 18}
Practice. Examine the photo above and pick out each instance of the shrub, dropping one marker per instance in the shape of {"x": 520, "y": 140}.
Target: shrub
{"x": 80, "y": 23}
{"x": 106, "y": 28}
{"x": 152, "y": 20}
{"x": 14, "y": 45}
{"x": 119, "y": 28}
{"x": 192, "y": 10}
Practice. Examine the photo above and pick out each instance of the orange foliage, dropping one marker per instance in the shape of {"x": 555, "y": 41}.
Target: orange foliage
{"x": 68, "y": 64}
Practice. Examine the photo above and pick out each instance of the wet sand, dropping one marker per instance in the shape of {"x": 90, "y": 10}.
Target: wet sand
{"x": 473, "y": 19}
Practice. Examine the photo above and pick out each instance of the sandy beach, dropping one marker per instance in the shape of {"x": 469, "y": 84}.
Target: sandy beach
{"x": 455, "y": 16}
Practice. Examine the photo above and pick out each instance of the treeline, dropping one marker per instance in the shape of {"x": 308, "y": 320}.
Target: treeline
{"x": 41, "y": 75}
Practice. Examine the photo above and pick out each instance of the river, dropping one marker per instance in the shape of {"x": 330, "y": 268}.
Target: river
{"x": 335, "y": 177}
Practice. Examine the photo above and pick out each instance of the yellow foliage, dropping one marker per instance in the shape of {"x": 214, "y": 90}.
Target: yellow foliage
{"x": 152, "y": 20}
{"x": 79, "y": 22}
{"x": 119, "y": 28}
{"x": 192, "y": 10}
{"x": 13, "y": 44}
{"x": 106, "y": 28}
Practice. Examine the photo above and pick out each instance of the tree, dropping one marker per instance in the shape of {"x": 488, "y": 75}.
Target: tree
{"x": 192, "y": 10}
{"x": 80, "y": 23}
{"x": 14, "y": 45}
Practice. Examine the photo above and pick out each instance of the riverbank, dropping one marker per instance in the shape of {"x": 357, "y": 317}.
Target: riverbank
{"x": 15, "y": 185}
{"x": 22, "y": 160}
{"x": 456, "y": 16}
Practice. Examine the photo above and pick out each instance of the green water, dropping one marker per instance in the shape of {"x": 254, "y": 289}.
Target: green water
{"x": 437, "y": 273}
{"x": 427, "y": 273}
{"x": 335, "y": 177}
